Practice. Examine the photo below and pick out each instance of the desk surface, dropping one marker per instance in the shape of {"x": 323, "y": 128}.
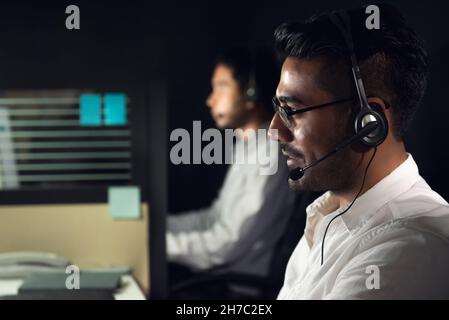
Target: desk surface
{"x": 128, "y": 291}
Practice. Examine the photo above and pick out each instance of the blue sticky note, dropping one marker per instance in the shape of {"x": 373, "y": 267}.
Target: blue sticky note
{"x": 90, "y": 110}
{"x": 124, "y": 202}
{"x": 115, "y": 109}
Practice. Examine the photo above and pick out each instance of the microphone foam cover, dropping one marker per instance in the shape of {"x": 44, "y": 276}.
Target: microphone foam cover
{"x": 296, "y": 174}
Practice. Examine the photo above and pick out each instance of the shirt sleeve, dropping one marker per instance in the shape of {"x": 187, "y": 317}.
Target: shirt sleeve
{"x": 206, "y": 247}
{"x": 412, "y": 264}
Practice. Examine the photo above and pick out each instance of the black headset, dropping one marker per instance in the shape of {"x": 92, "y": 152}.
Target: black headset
{"x": 252, "y": 90}
{"x": 367, "y": 116}
{"x": 367, "y": 113}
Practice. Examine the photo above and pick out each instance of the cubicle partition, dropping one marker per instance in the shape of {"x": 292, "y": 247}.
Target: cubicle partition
{"x": 83, "y": 175}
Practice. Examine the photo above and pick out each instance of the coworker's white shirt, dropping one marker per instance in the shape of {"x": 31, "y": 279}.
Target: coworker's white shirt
{"x": 239, "y": 231}
{"x": 400, "y": 227}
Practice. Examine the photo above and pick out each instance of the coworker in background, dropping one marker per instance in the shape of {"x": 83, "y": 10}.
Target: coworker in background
{"x": 239, "y": 231}
{"x": 380, "y": 232}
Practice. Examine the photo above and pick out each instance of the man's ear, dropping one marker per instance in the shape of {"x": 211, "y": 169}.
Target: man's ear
{"x": 249, "y": 105}
{"x": 383, "y": 106}
{"x": 379, "y": 102}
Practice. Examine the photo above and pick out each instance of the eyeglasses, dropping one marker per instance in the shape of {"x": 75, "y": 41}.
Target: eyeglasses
{"x": 286, "y": 114}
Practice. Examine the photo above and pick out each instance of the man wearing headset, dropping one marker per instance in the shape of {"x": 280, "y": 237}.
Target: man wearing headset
{"x": 239, "y": 231}
{"x": 379, "y": 232}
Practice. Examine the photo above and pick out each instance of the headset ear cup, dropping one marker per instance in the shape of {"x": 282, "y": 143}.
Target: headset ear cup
{"x": 377, "y": 136}
{"x": 251, "y": 93}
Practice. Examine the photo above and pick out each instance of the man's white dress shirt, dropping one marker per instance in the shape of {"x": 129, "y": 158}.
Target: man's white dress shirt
{"x": 391, "y": 244}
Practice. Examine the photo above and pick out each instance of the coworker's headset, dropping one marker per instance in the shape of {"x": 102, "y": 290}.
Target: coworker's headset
{"x": 252, "y": 90}
{"x": 370, "y": 124}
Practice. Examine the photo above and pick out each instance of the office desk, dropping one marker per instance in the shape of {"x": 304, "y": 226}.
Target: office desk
{"x": 129, "y": 289}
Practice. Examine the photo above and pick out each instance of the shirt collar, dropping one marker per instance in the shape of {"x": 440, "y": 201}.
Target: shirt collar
{"x": 391, "y": 186}
{"x": 316, "y": 212}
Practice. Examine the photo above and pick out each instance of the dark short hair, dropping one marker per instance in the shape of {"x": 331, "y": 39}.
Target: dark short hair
{"x": 257, "y": 67}
{"x": 392, "y": 59}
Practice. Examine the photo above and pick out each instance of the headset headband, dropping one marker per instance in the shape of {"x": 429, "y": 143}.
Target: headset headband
{"x": 343, "y": 23}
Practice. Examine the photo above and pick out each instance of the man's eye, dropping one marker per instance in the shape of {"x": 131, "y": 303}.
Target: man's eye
{"x": 291, "y": 109}
{"x": 288, "y": 108}
{"x": 221, "y": 86}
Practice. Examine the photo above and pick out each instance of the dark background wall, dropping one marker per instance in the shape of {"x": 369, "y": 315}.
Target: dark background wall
{"x": 133, "y": 42}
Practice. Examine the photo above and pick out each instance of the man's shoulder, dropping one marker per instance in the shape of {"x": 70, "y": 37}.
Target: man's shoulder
{"x": 422, "y": 230}
{"x": 420, "y": 197}
{"x": 419, "y": 208}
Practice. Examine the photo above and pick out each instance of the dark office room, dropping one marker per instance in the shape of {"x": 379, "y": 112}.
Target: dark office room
{"x": 224, "y": 151}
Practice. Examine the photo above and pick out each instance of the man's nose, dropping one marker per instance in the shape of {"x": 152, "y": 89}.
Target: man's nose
{"x": 210, "y": 101}
{"x": 284, "y": 134}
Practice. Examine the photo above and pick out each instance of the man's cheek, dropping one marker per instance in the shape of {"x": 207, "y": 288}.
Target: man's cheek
{"x": 302, "y": 136}
{"x": 227, "y": 105}
{"x": 308, "y": 140}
